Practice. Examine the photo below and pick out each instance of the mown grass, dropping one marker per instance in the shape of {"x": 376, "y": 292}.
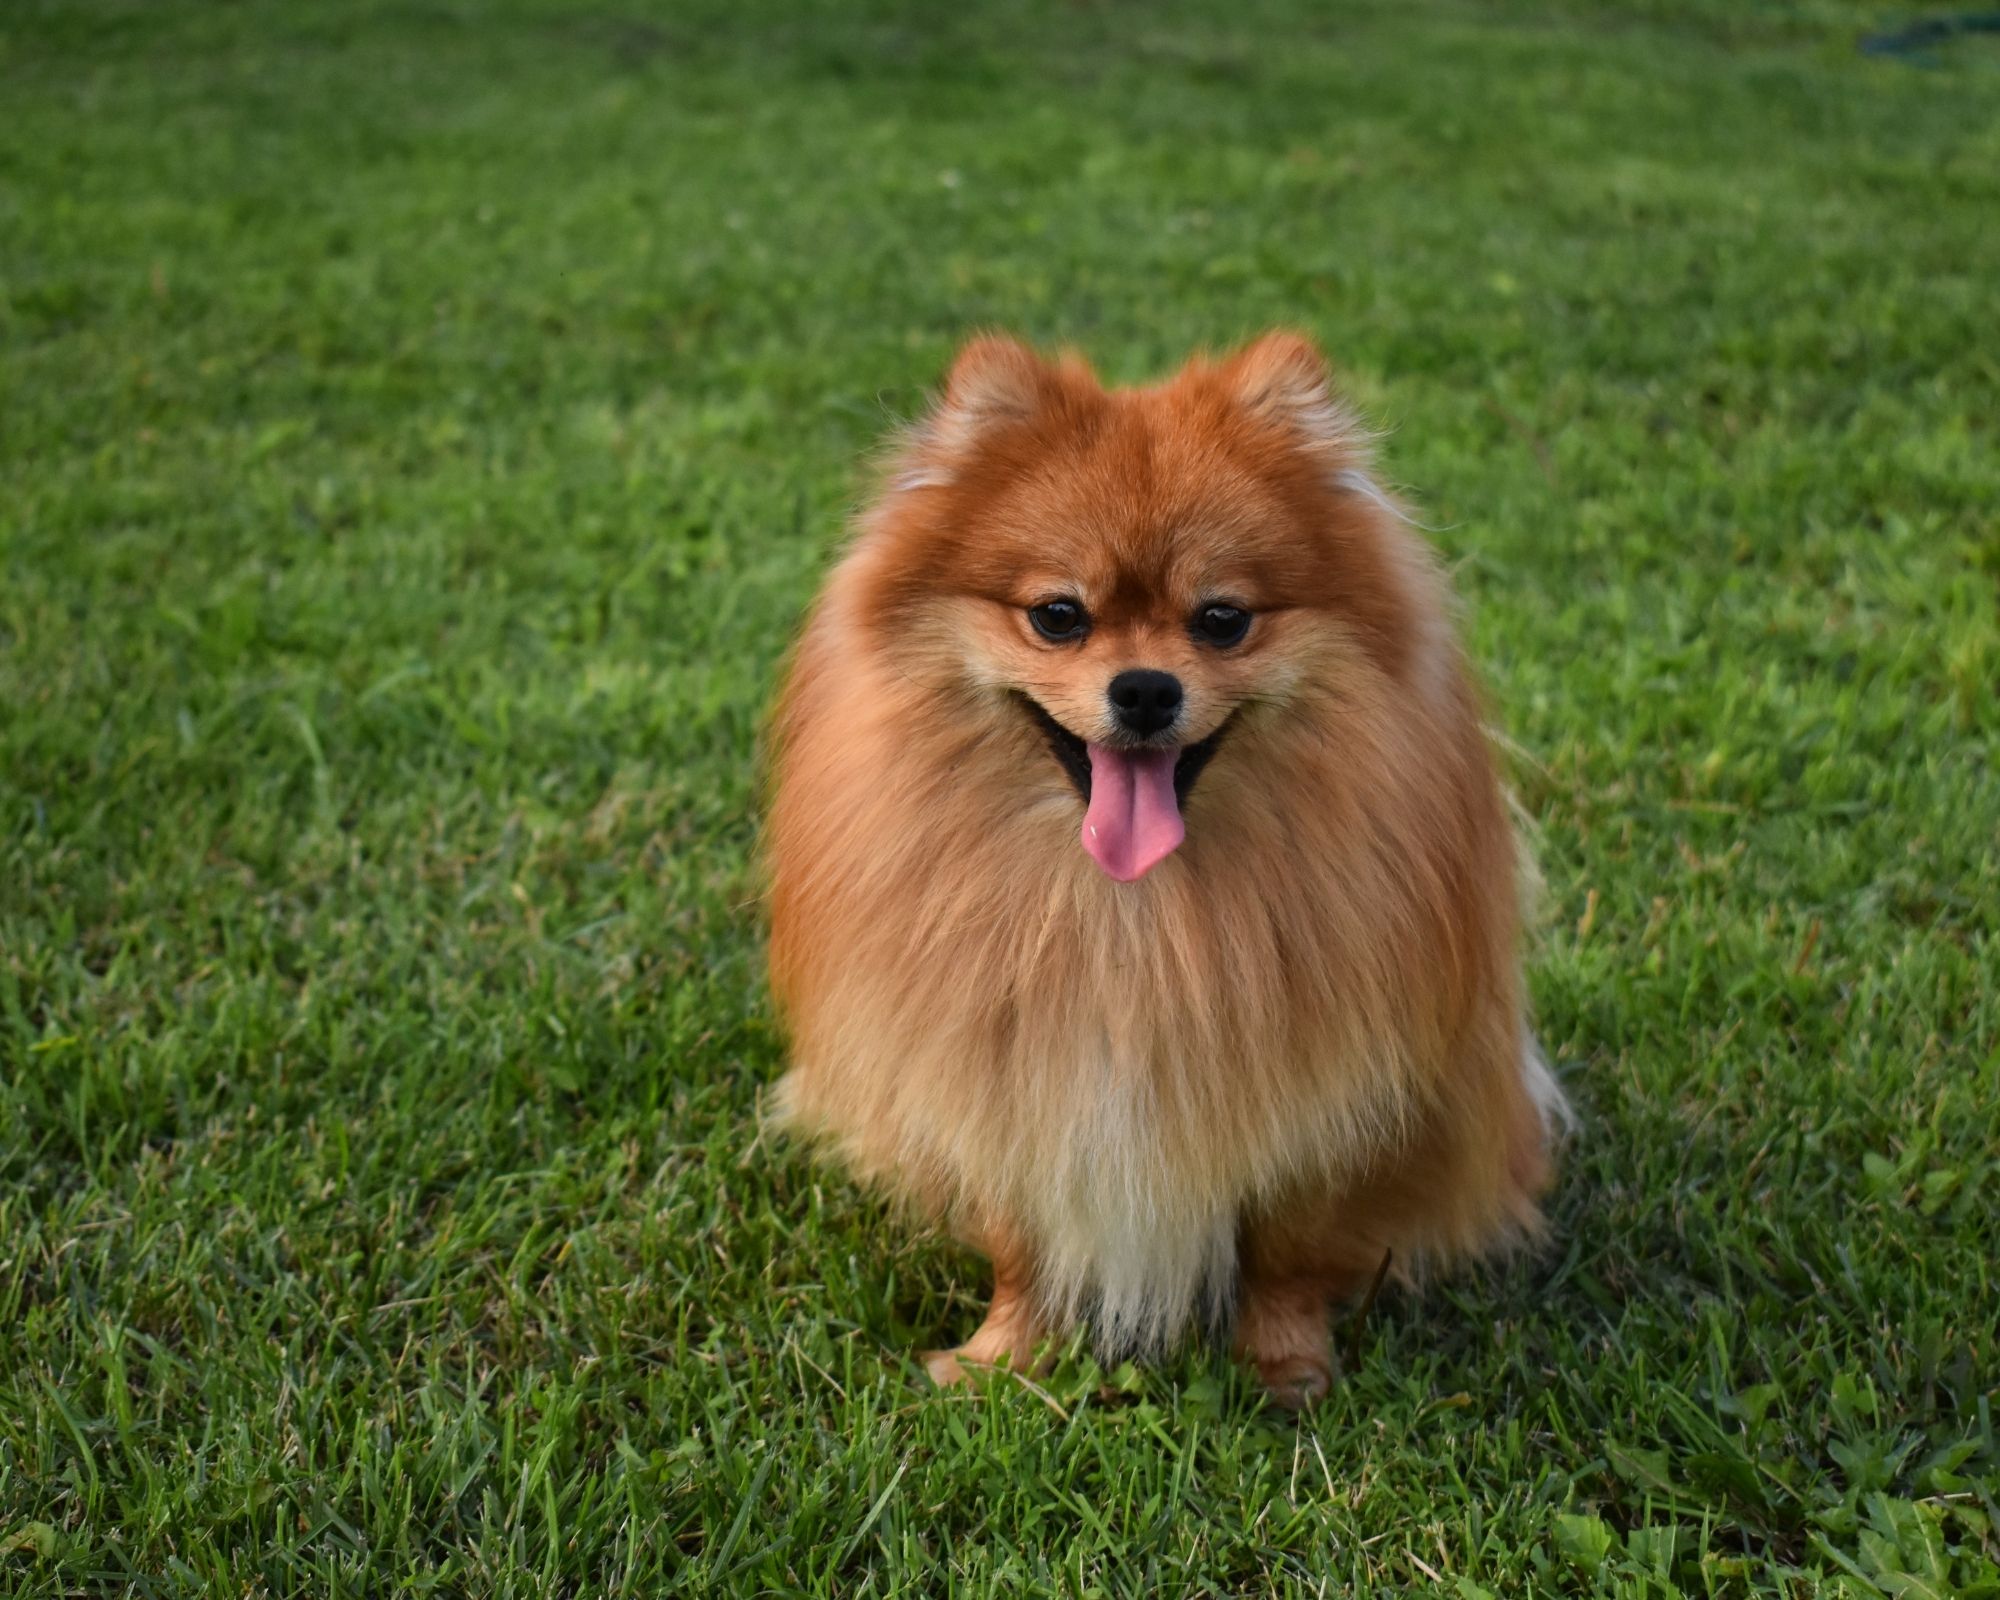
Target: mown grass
{"x": 421, "y": 428}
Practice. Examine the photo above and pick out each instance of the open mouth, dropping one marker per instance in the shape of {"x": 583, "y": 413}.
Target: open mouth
{"x": 1132, "y": 797}
{"x": 1074, "y": 755}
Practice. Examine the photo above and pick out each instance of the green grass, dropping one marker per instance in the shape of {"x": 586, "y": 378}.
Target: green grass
{"x": 422, "y": 425}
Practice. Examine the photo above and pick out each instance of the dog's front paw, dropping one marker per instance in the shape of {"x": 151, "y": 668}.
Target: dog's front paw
{"x": 947, "y": 1370}
{"x": 1295, "y": 1382}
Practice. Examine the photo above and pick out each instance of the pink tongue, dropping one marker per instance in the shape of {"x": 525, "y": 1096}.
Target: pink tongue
{"x": 1134, "y": 821}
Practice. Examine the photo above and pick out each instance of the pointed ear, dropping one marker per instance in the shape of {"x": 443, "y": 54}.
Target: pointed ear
{"x": 994, "y": 381}
{"x": 1283, "y": 379}
{"x": 996, "y": 378}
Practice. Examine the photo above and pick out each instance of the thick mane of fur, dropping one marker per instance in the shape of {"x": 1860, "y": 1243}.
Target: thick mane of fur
{"x": 1317, "y": 995}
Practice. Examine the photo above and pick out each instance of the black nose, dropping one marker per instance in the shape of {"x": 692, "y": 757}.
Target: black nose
{"x": 1145, "y": 701}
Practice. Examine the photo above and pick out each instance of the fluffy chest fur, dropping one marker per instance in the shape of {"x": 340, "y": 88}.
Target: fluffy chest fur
{"x": 987, "y": 1025}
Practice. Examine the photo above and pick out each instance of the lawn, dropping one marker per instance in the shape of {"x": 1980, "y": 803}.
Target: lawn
{"x": 420, "y": 428}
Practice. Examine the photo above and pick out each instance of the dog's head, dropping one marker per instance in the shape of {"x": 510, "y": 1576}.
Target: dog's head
{"x": 1132, "y": 572}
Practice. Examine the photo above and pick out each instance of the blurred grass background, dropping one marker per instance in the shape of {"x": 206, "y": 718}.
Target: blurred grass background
{"x": 420, "y": 427}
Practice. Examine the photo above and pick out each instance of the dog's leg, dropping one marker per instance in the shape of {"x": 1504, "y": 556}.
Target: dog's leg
{"x": 1282, "y": 1332}
{"x": 1012, "y": 1327}
{"x": 1298, "y": 1260}
{"x": 1464, "y": 1184}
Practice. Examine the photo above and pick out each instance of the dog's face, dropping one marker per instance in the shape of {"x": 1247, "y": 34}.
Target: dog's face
{"x": 1129, "y": 571}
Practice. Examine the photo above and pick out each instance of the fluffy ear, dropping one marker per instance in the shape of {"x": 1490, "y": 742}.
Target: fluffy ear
{"x": 995, "y": 381}
{"x": 1283, "y": 379}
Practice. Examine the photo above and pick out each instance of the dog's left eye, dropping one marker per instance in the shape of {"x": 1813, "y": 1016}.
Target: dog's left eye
{"x": 1221, "y": 625}
{"x": 1059, "y": 619}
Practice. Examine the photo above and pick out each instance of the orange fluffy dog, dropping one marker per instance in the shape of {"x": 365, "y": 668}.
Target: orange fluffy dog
{"x": 1143, "y": 897}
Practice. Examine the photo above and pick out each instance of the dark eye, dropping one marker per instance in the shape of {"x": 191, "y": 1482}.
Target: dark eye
{"x": 1059, "y": 619}
{"x": 1221, "y": 625}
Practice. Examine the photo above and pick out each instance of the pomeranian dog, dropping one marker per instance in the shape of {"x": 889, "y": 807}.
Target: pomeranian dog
{"x": 1143, "y": 896}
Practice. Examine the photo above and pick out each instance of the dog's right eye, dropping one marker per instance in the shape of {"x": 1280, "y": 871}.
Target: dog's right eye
{"x": 1059, "y": 620}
